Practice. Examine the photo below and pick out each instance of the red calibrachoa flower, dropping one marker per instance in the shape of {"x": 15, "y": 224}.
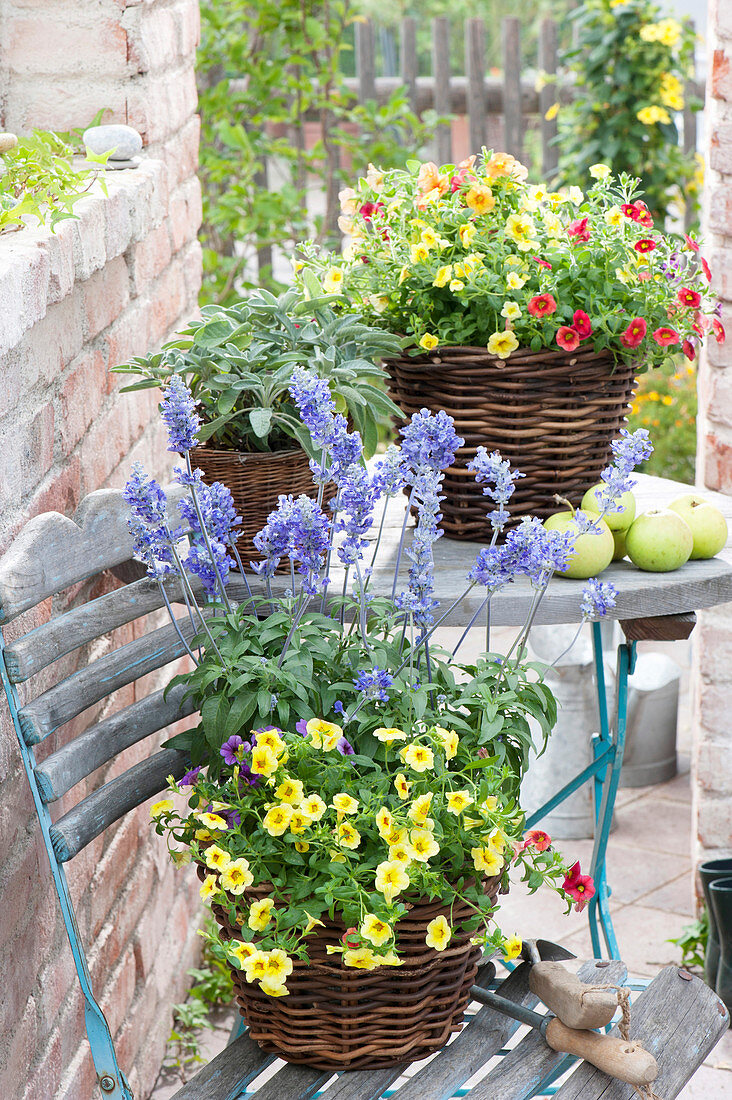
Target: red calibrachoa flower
{"x": 645, "y": 245}
{"x": 568, "y": 338}
{"x": 688, "y": 349}
{"x": 644, "y": 215}
{"x": 718, "y": 330}
{"x": 351, "y": 937}
{"x": 664, "y": 337}
{"x": 542, "y": 305}
{"x": 537, "y": 838}
{"x": 631, "y": 211}
{"x": 689, "y": 297}
{"x": 691, "y": 243}
{"x": 705, "y": 269}
{"x": 578, "y": 229}
{"x": 542, "y": 263}
{"x": 368, "y": 210}
{"x": 582, "y": 324}
{"x": 634, "y": 333}
{"x": 578, "y": 886}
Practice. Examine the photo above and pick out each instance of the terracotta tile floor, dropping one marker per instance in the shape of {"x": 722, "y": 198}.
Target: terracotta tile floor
{"x": 650, "y": 872}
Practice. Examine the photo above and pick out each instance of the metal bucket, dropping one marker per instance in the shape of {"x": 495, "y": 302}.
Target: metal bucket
{"x": 653, "y": 703}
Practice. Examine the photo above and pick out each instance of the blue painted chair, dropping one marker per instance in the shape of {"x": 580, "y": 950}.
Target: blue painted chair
{"x": 677, "y": 1018}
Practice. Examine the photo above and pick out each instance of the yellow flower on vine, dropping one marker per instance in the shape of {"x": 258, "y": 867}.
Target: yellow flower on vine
{"x": 457, "y": 801}
{"x": 348, "y": 837}
{"x": 344, "y": 804}
{"x": 313, "y": 806}
{"x": 401, "y": 852}
{"x": 402, "y": 786}
{"x": 467, "y": 234}
{"x": 290, "y": 790}
{"x": 418, "y": 757}
{"x": 165, "y": 805}
{"x": 384, "y": 822}
{"x": 375, "y": 930}
{"x": 418, "y": 253}
{"x": 487, "y": 860}
{"x": 511, "y": 311}
{"x": 362, "y": 958}
{"x": 213, "y": 821}
{"x": 236, "y": 877}
{"x": 424, "y": 845}
{"x": 391, "y": 879}
{"x": 216, "y": 858}
{"x": 299, "y": 822}
{"x": 428, "y": 341}
{"x": 209, "y": 887}
{"x": 442, "y": 276}
{"x": 260, "y": 914}
{"x": 277, "y": 819}
{"x": 480, "y": 199}
{"x": 403, "y": 274}
{"x": 396, "y": 835}
{"x": 512, "y": 947}
{"x": 240, "y": 950}
{"x": 323, "y": 734}
{"x": 264, "y": 762}
{"x": 514, "y": 281}
{"x": 255, "y": 966}
{"x": 653, "y": 114}
{"x": 521, "y": 229}
{"x": 388, "y": 734}
{"x": 502, "y": 344}
{"x": 333, "y": 281}
{"x": 420, "y": 808}
{"x": 438, "y": 933}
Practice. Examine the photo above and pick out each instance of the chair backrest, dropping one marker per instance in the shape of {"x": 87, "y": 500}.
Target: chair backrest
{"x": 51, "y": 554}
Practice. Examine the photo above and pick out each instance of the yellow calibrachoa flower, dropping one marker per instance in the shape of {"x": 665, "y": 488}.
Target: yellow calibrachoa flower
{"x": 241, "y": 951}
{"x": 418, "y": 253}
{"x": 348, "y": 837}
{"x": 203, "y": 835}
{"x": 277, "y": 819}
{"x": 273, "y": 988}
{"x": 496, "y": 840}
{"x": 614, "y": 216}
{"x": 302, "y": 846}
{"x": 279, "y": 965}
{"x": 650, "y": 115}
{"x": 442, "y": 276}
{"x": 402, "y": 785}
{"x": 502, "y": 344}
{"x": 599, "y": 171}
{"x": 313, "y": 806}
{"x": 551, "y": 112}
{"x": 299, "y": 822}
{"x": 457, "y": 285}
{"x": 344, "y": 804}
{"x": 216, "y": 858}
{"x": 333, "y": 281}
{"x": 161, "y": 807}
{"x": 514, "y": 281}
{"x": 512, "y": 947}
{"x": 424, "y": 845}
{"x": 480, "y": 199}
{"x": 511, "y": 311}
{"x": 438, "y": 933}
{"x": 384, "y": 822}
{"x": 391, "y": 879}
{"x": 575, "y": 195}
{"x": 213, "y": 821}
{"x": 237, "y": 877}
{"x": 313, "y": 922}
{"x": 255, "y": 966}
{"x": 521, "y": 229}
{"x": 667, "y": 31}
{"x": 419, "y": 757}
{"x": 402, "y": 853}
{"x": 486, "y": 859}
{"x": 290, "y": 790}
{"x": 457, "y": 801}
{"x": 322, "y": 734}
{"x": 449, "y": 741}
{"x": 489, "y": 805}
{"x": 264, "y": 762}
{"x": 396, "y": 835}
{"x": 362, "y": 958}
{"x": 420, "y": 808}
{"x": 209, "y": 887}
{"x": 429, "y": 238}
{"x": 375, "y": 930}
{"x": 388, "y": 734}
{"x": 467, "y": 234}
{"x": 553, "y": 225}
{"x": 260, "y": 914}
{"x": 428, "y": 341}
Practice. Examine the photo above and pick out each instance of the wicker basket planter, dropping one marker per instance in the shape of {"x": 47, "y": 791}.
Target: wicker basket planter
{"x": 341, "y": 1018}
{"x": 552, "y": 413}
{"x": 256, "y": 479}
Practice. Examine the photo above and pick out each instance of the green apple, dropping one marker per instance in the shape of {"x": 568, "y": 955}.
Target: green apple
{"x": 659, "y": 541}
{"x": 620, "y": 538}
{"x": 616, "y": 521}
{"x": 708, "y": 525}
{"x": 593, "y": 550}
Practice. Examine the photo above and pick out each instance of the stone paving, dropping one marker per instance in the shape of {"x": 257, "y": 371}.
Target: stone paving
{"x": 650, "y": 872}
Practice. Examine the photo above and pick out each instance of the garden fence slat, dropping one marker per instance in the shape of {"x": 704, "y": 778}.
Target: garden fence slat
{"x": 513, "y": 139}
{"x": 409, "y": 58}
{"x": 441, "y": 71}
{"x": 365, "y": 60}
{"x": 475, "y": 74}
{"x": 547, "y": 96}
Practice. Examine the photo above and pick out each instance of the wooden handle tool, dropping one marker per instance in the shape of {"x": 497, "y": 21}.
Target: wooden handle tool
{"x": 574, "y": 1003}
{"x": 620, "y": 1058}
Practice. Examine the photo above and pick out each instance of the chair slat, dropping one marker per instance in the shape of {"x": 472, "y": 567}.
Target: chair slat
{"x": 679, "y": 1020}
{"x": 53, "y": 552}
{"x": 60, "y": 771}
{"x": 293, "y": 1082}
{"x": 228, "y": 1073}
{"x": 521, "y": 1071}
{"x": 94, "y": 814}
{"x": 71, "y": 696}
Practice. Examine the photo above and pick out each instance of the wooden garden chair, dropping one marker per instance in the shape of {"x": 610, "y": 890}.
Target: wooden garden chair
{"x": 677, "y": 1017}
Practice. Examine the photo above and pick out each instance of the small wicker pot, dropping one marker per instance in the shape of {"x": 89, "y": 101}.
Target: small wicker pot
{"x": 552, "y": 413}
{"x": 256, "y": 479}
{"x": 341, "y": 1018}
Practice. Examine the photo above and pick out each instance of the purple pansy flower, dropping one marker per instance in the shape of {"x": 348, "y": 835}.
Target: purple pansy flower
{"x": 233, "y": 750}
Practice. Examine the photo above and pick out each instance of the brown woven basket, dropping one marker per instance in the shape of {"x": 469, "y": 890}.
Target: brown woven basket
{"x": 341, "y": 1018}
{"x": 553, "y": 414}
{"x": 256, "y": 479}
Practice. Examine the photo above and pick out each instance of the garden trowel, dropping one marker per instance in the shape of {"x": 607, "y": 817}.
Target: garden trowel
{"x": 563, "y": 992}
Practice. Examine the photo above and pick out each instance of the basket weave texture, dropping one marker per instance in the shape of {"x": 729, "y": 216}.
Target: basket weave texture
{"x": 553, "y": 414}
{"x": 342, "y": 1018}
{"x": 256, "y": 479}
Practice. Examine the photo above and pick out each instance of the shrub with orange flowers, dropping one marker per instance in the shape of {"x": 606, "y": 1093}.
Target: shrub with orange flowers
{"x": 472, "y": 254}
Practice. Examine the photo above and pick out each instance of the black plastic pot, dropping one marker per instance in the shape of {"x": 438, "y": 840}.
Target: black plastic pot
{"x": 708, "y": 871}
{"x": 720, "y": 893}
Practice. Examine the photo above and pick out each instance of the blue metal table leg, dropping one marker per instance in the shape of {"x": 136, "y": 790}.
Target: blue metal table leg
{"x": 612, "y": 742}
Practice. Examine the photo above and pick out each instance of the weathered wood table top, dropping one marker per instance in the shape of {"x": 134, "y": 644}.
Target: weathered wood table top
{"x": 696, "y": 585}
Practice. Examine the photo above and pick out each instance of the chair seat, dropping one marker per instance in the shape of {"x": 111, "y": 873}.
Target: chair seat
{"x": 677, "y": 1018}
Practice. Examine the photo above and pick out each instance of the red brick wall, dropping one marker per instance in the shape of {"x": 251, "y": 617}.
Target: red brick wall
{"x": 110, "y": 285}
{"x": 713, "y": 637}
